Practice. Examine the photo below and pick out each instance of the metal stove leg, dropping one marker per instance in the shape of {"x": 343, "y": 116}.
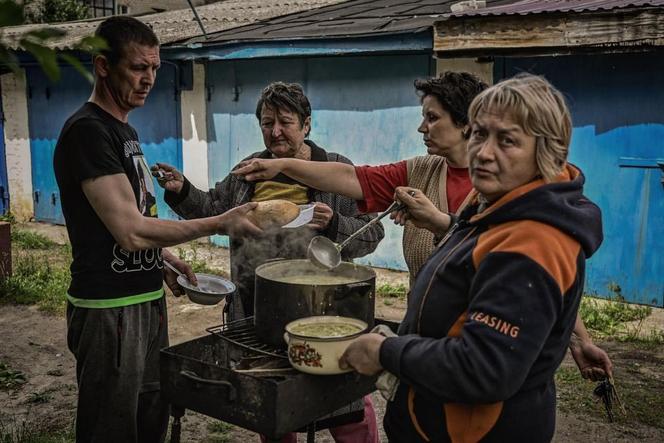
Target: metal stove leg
{"x": 311, "y": 433}
{"x": 176, "y": 428}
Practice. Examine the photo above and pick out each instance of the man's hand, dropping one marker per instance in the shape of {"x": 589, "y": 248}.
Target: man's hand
{"x": 593, "y": 362}
{"x": 363, "y": 354}
{"x": 168, "y": 177}
{"x": 170, "y": 277}
{"x": 322, "y": 216}
{"x": 420, "y": 211}
{"x": 235, "y": 222}
{"x": 258, "y": 169}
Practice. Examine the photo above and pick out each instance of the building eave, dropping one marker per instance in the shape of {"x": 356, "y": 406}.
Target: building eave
{"x": 550, "y": 33}
{"x": 404, "y": 42}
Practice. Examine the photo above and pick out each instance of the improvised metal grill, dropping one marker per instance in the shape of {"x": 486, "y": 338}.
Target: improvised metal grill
{"x": 242, "y": 333}
{"x": 231, "y": 376}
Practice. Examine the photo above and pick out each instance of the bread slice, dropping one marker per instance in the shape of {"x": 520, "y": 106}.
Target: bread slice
{"x": 273, "y": 214}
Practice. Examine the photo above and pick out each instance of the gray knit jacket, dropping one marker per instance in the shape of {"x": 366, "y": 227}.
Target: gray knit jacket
{"x": 247, "y": 254}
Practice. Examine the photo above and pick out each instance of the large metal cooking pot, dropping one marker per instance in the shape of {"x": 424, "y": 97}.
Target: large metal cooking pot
{"x": 290, "y": 289}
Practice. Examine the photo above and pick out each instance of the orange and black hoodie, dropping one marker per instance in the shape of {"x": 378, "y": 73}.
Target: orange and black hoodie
{"x": 490, "y": 316}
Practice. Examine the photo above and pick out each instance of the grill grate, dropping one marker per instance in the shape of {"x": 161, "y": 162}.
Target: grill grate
{"x": 243, "y": 333}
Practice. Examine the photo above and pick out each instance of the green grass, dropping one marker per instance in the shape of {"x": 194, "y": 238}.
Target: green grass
{"x": 387, "y": 291}
{"x": 36, "y": 280}
{"x": 9, "y": 378}
{"x": 39, "y": 397}
{"x": 652, "y": 340}
{"x": 197, "y": 263}
{"x": 8, "y": 217}
{"x": 26, "y": 433}
{"x": 31, "y": 240}
{"x": 639, "y": 391}
{"x": 576, "y": 394}
{"x": 219, "y": 432}
{"x": 617, "y": 320}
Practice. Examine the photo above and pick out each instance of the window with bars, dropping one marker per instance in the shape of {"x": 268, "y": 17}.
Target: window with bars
{"x": 101, "y": 8}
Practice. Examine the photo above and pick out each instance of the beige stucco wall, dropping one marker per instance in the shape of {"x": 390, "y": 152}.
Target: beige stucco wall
{"x": 194, "y": 131}
{"x": 483, "y": 70}
{"x": 17, "y": 145}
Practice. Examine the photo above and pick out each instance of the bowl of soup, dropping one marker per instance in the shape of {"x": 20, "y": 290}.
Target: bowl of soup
{"x": 315, "y": 344}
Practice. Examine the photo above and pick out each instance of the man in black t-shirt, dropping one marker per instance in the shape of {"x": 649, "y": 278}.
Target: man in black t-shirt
{"x": 116, "y": 314}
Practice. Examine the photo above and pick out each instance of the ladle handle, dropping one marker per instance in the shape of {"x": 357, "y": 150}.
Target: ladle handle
{"x": 393, "y": 207}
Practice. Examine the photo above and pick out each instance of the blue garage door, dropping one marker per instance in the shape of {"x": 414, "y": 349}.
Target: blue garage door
{"x": 618, "y": 141}
{"x": 49, "y": 105}
{"x": 363, "y": 107}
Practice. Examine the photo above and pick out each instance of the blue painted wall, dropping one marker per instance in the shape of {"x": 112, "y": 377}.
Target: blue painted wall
{"x": 50, "y": 104}
{"x": 364, "y": 107}
{"x": 617, "y": 105}
{"x": 4, "y": 188}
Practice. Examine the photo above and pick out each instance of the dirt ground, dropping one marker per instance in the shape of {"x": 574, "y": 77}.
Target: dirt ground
{"x": 34, "y": 343}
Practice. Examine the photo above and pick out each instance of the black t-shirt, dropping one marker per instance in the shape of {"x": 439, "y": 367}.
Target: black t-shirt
{"x": 93, "y": 144}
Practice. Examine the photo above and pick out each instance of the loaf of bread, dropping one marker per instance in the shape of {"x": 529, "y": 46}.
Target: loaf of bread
{"x": 273, "y": 214}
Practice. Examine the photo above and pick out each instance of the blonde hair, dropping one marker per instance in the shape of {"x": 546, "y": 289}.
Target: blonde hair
{"x": 540, "y": 109}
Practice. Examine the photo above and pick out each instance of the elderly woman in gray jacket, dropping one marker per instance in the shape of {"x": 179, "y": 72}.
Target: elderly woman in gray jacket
{"x": 284, "y": 115}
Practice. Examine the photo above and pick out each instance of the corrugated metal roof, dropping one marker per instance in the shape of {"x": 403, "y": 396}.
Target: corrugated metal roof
{"x": 552, "y": 27}
{"x": 177, "y": 25}
{"x": 526, "y": 7}
{"x": 349, "y": 19}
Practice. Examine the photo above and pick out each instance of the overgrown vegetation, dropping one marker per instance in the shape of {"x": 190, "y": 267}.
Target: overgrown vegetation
{"x": 36, "y": 40}
{"x": 31, "y": 240}
{"x": 37, "y": 281}
{"x": 54, "y": 11}
{"x": 618, "y": 320}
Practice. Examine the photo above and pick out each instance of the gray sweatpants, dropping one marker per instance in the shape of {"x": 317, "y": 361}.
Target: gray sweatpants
{"x": 117, "y": 369}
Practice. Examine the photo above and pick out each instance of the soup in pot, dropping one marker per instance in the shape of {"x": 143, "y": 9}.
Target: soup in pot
{"x": 326, "y": 329}
{"x": 316, "y": 279}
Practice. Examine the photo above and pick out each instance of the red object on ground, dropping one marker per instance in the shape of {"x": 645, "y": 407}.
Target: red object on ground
{"x": 365, "y": 431}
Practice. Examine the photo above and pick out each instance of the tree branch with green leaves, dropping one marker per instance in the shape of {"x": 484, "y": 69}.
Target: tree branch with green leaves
{"x": 39, "y": 43}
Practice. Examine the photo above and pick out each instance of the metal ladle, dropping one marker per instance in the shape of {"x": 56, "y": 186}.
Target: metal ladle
{"x": 326, "y": 254}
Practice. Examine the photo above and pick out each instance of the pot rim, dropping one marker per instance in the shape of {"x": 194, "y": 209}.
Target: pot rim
{"x": 333, "y": 319}
{"x": 290, "y": 263}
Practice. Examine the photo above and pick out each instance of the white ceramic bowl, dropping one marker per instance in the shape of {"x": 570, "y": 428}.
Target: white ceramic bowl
{"x": 320, "y": 355}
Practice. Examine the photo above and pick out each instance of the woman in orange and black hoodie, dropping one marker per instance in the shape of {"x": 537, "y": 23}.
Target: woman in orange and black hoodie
{"x": 491, "y": 312}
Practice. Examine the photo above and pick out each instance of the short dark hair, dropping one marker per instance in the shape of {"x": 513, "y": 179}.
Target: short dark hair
{"x": 290, "y": 96}
{"x": 120, "y": 31}
{"x": 454, "y": 90}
